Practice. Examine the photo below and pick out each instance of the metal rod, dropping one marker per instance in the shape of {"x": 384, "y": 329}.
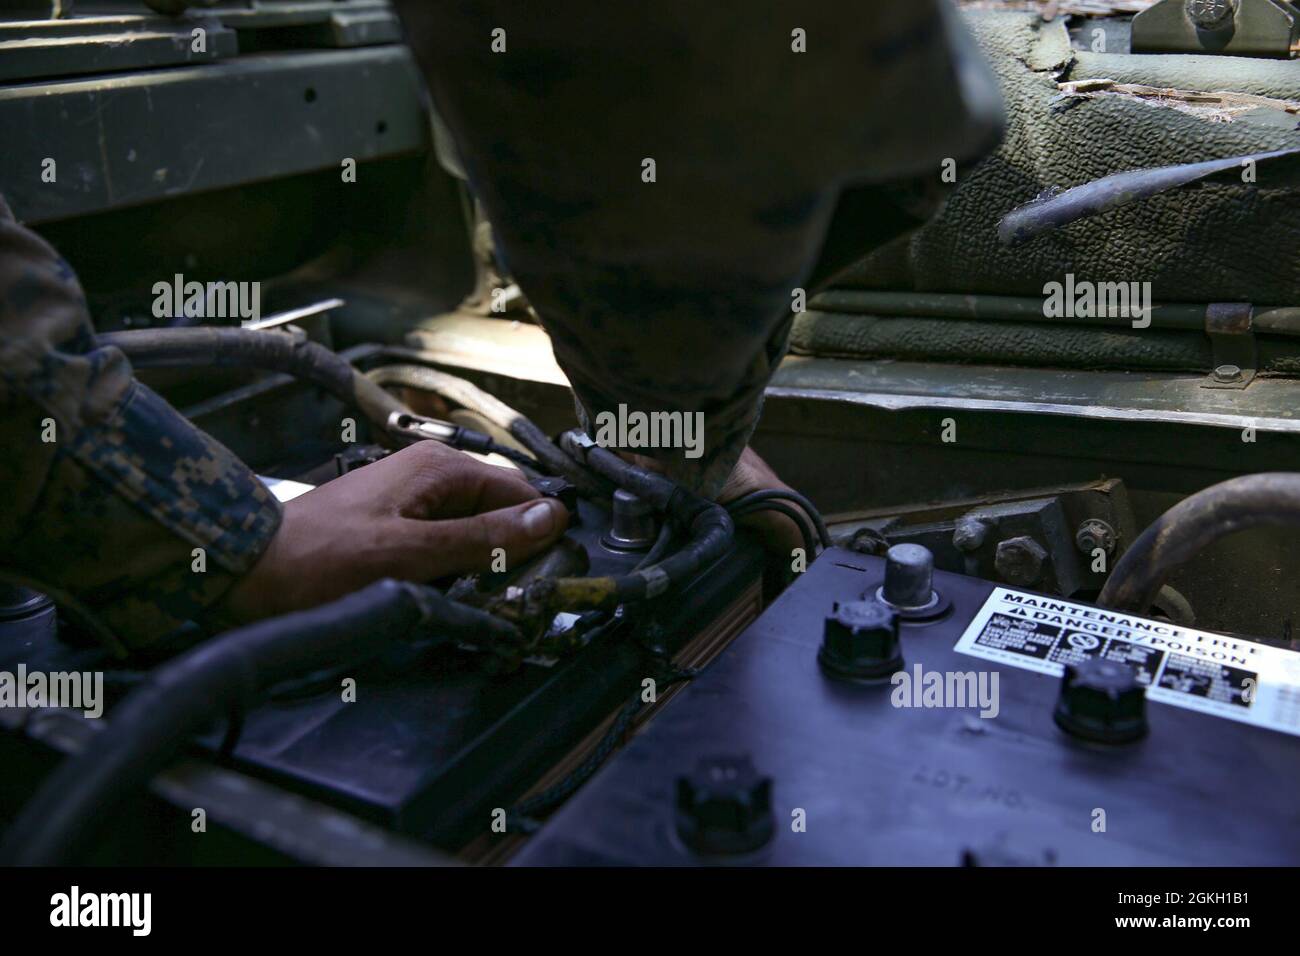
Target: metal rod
{"x": 1175, "y": 316}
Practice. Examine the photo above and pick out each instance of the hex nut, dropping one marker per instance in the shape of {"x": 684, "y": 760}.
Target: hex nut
{"x": 1093, "y": 534}
{"x": 1020, "y": 560}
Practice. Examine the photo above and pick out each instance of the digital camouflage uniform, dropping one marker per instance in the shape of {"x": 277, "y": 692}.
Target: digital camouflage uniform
{"x": 676, "y": 294}
{"x": 109, "y": 512}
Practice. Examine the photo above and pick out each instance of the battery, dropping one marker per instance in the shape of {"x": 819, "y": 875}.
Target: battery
{"x": 1015, "y": 731}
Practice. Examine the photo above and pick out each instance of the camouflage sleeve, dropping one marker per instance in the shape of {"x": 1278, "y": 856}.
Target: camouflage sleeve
{"x": 112, "y": 498}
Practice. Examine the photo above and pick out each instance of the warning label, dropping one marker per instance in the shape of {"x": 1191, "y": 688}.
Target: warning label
{"x": 1225, "y": 676}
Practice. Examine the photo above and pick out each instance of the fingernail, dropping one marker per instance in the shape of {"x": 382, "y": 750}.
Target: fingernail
{"x": 539, "y": 520}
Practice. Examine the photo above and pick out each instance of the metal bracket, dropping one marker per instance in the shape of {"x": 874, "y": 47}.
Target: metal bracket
{"x": 1232, "y": 27}
{"x": 1230, "y": 326}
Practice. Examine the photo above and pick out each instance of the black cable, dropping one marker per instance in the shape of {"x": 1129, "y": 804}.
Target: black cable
{"x": 522, "y": 817}
{"x": 518, "y": 457}
{"x": 708, "y": 524}
{"x": 659, "y": 548}
{"x": 269, "y": 350}
{"x": 217, "y": 678}
{"x": 470, "y": 396}
{"x": 411, "y": 428}
{"x": 780, "y": 507}
{"x": 788, "y": 494}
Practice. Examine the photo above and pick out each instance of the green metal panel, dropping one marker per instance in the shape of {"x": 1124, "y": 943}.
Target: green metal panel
{"x": 33, "y": 49}
{"x": 136, "y": 138}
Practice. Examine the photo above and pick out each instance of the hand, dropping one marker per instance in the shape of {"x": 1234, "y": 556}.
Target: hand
{"x": 422, "y": 513}
{"x": 778, "y": 533}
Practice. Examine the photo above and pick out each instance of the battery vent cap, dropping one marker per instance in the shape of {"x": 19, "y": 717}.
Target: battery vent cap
{"x": 1102, "y": 701}
{"x": 724, "y": 807}
{"x": 860, "y": 641}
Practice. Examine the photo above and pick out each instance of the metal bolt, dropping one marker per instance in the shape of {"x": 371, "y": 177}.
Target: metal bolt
{"x": 1227, "y": 373}
{"x": 969, "y": 534}
{"x": 1093, "y": 534}
{"x": 1210, "y": 14}
{"x": 633, "y": 526}
{"x": 1020, "y": 560}
{"x": 909, "y": 574}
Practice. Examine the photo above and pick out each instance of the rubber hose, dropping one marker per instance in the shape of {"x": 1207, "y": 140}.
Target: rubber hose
{"x": 155, "y": 722}
{"x": 470, "y": 396}
{"x": 1188, "y": 527}
{"x": 269, "y": 350}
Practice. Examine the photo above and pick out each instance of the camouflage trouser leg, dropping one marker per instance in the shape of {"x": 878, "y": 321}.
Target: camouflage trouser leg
{"x": 660, "y": 177}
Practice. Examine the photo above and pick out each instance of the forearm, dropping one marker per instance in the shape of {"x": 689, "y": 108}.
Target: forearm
{"x": 112, "y": 497}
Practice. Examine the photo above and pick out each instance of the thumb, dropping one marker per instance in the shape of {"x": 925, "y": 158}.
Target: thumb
{"x": 463, "y": 545}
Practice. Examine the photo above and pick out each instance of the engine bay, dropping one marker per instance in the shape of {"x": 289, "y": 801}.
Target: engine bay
{"x": 1033, "y": 604}
{"x": 428, "y": 748}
